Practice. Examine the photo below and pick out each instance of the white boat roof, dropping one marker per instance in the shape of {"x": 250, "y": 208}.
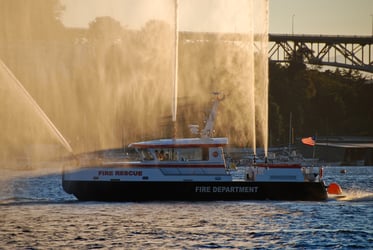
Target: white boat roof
{"x": 181, "y": 143}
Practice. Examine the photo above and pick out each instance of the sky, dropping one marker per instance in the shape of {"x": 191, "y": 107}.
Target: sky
{"x": 196, "y": 15}
{"x": 325, "y": 17}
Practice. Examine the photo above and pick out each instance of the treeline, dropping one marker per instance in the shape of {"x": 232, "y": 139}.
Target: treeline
{"x": 331, "y": 102}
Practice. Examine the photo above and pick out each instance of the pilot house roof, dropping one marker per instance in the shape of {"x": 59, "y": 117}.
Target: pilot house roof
{"x": 181, "y": 143}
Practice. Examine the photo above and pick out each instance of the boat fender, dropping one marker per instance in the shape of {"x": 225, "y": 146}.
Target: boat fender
{"x": 321, "y": 172}
{"x": 334, "y": 188}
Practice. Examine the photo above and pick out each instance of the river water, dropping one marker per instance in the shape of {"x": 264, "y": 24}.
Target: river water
{"x": 35, "y": 213}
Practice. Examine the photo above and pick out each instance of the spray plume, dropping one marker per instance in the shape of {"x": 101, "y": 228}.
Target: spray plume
{"x": 108, "y": 85}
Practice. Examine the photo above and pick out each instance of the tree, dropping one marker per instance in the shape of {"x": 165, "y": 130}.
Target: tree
{"x": 104, "y": 30}
{"x": 329, "y": 103}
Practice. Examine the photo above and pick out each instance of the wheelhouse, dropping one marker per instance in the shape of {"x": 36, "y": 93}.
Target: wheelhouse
{"x": 182, "y": 150}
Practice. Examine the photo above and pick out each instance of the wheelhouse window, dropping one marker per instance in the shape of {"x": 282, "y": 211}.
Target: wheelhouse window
{"x": 194, "y": 154}
{"x": 146, "y": 155}
{"x": 166, "y": 154}
{"x": 182, "y": 154}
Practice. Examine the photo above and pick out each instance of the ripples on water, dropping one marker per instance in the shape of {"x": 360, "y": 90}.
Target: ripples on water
{"x": 35, "y": 213}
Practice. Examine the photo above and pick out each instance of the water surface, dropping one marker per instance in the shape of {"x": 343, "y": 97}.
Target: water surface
{"x": 35, "y": 213}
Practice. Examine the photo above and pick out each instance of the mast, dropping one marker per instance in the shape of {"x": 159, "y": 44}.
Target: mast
{"x": 207, "y": 131}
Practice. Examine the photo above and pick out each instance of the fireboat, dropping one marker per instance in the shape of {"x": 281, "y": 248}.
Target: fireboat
{"x": 191, "y": 169}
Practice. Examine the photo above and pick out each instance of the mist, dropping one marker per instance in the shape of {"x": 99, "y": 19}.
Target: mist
{"x": 108, "y": 84}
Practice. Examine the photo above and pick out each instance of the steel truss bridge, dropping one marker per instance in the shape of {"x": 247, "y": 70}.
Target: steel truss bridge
{"x": 352, "y": 52}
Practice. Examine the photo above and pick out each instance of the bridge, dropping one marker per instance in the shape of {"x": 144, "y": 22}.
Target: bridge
{"x": 351, "y": 52}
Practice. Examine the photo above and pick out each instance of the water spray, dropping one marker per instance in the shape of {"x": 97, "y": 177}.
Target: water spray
{"x": 176, "y": 61}
{"x": 251, "y": 80}
{"x": 37, "y": 109}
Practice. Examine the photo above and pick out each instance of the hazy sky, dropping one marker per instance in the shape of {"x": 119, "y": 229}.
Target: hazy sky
{"x": 336, "y": 17}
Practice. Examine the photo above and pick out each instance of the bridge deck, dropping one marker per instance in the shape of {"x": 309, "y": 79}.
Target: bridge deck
{"x": 321, "y": 39}
{"x": 351, "y": 52}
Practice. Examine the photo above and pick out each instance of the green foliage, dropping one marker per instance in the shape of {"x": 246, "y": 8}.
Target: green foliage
{"x": 322, "y": 103}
